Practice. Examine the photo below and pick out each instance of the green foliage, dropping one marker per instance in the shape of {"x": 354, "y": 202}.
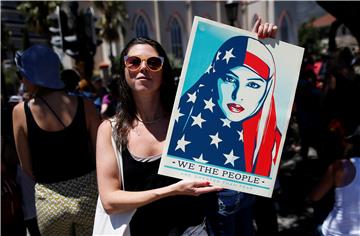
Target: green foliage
{"x": 11, "y": 80}
{"x": 6, "y": 45}
{"x": 309, "y": 38}
{"x": 175, "y": 63}
{"x": 113, "y": 17}
{"x": 116, "y": 65}
{"x": 26, "y": 39}
{"x": 36, "y": 13}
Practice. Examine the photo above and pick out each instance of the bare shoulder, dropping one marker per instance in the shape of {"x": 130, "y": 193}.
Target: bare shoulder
{"x": 19, "y": 119}
{"x": 344, "y": 172}
{"x": 103, "y": 143}
{"x": 337, "y": 165}
{"x": 105, "y": 126}
{"x": 19, "y": 107}
{"x": 18, "y": 112}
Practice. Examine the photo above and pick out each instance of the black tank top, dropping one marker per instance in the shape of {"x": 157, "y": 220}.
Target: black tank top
{"x": 60, "y": 155}
{"x": 167, "y": 216}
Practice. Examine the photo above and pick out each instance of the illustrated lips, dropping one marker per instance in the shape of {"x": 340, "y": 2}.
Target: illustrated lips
{"x": 236, "y": 108}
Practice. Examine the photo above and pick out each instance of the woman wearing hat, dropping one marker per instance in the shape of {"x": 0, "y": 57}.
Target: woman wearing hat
{"x": 55, "y": 136}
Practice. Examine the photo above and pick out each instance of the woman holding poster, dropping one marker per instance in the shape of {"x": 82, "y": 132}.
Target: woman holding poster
{"x": 129, "y": 150}
{"x": 136, "y": 136}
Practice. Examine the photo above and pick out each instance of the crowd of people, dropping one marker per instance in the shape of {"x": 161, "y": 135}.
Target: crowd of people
{"x": 63, "y": 138}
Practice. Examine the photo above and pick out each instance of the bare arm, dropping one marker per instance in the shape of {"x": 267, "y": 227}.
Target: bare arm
{"x": 21, "y": 139}
{"x": 264, "y": 30}
{"x": 116, "y": 200}
{"x": 325, "y": 184}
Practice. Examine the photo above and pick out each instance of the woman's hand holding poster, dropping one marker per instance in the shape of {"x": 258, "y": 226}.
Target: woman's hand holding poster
{"x": 232, "y": 108}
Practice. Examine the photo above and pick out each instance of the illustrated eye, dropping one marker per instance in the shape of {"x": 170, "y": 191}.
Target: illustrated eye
{"x": 253, "y": 85}
{"x": 229, "y": 79}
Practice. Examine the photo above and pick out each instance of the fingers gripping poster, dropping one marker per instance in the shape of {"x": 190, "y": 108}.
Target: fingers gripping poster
{"x": 232, "y": 108}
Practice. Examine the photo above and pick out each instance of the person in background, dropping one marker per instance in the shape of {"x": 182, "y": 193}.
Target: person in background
{"x": 27, "y": 187}
{"x": 71, "y": 79}
{"x": 110, "y": 101}
{"x": 12, "y": 215}
{"x": 25, "y": 183}
{"x": 343, "y": 175}
{"x": 84, "y": 90}
{"x": 100, "y": 91}
{"x": 55, "y": 136}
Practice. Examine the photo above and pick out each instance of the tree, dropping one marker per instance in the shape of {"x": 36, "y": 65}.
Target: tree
{"x": 113, "y": 17}
{"x": 5, "y": 41}
{"x": 309, "y": 38}
{"x": 36, "y": 15}
{"x": 347, "y": 13}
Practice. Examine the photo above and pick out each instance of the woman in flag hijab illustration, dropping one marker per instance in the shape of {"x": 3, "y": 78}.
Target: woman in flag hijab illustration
{"x": 227, "y": 118}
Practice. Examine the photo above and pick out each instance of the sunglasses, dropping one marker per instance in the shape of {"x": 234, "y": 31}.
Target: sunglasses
{"x": 133, "y": 63}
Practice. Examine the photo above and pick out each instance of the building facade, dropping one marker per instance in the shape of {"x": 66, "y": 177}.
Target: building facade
{"x": 169, "y": 22}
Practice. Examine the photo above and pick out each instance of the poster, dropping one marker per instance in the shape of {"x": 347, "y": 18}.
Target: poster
{"x": 232, "y": 108}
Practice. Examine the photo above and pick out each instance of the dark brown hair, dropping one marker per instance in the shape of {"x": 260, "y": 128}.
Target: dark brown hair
{"x": 127, "y": 113}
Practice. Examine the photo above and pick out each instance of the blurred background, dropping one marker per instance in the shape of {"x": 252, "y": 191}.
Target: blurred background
{"x": 88, "y": 36}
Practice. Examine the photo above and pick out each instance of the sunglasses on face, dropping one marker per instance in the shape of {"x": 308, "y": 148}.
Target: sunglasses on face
{"x": 133, "y": 63}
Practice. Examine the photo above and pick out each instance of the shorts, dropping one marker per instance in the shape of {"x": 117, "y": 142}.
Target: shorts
{"x": 67, "y": 207}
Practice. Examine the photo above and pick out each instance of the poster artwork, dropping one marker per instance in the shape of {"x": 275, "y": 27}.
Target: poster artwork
{"x": 232, "y": 108}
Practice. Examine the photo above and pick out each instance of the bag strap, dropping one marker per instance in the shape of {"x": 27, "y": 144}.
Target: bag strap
{"x": 52, "y": 110}
{"x": 117, "y": 154}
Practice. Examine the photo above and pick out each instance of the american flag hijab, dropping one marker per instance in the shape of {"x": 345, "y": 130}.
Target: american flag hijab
{"x": 203, "y": 133}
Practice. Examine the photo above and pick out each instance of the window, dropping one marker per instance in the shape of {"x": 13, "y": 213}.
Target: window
{"x": 284, "y": 31}
{"x": 176, "y": 42}
{"x": 141, "y": 28}
{"x": 285, "y": 27}
{"x": 254, "y": 19}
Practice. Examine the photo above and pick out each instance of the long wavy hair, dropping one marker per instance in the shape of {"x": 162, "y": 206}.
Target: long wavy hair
{"x": 127, "y": 114}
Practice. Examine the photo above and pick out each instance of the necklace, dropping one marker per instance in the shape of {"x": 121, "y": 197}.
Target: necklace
{"x": 150, "y": 121}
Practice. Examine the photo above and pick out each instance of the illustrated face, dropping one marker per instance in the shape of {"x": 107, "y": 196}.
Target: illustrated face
{"x": 143, "y": 79}
{"x": 241, "y": 93}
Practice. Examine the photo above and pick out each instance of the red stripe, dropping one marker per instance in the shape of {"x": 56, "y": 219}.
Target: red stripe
{"x": 258, "y": 65}
{"x": 264, "y": 158}
{"x": 250, "y": 128}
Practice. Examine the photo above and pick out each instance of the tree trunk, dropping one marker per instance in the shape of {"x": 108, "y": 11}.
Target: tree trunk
{"x": 332, "y": 35}
{"x": 347, "y": 12}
